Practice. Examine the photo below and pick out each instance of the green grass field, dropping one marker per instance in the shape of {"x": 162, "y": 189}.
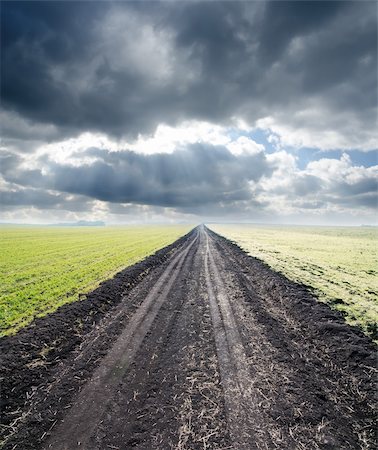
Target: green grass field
{"x": 43, "y": 268}
{"x": 340, "y": 263}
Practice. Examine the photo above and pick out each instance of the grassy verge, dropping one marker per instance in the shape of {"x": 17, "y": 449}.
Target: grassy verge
{"x": 339, "y": 263}
{"x": 43, "y": 268}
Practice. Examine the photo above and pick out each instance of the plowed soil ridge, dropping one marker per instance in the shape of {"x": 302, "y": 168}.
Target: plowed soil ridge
{"x": 198, "y": 347}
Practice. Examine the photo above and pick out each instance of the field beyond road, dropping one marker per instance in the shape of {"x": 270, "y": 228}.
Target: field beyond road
{"x": 46, "y": 267}
{"x": 339, "y": 263}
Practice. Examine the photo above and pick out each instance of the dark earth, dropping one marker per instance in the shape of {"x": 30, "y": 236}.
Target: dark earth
{"x": 200, "y": 346}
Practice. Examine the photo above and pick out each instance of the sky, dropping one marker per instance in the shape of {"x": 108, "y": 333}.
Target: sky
{"x": 189, "y": 111}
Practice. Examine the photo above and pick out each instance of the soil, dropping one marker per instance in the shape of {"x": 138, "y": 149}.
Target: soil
{"x": 198, "y": 347}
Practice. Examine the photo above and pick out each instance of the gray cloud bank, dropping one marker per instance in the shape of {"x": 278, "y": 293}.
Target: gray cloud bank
{"x": 193, "y": 176}
{"x": 124, "y": 67}
{"x": 200, "y": 179}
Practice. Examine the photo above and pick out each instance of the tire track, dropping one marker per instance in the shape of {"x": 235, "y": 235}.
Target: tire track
{"x": 211, "y": 350}
{"x": 171, "y": 398}
{"x": 246, "y": 424}
{"x": 85, "y": 415}
{"x": 325, "y": 407}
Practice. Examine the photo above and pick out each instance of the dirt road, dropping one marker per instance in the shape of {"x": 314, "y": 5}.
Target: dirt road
{"x": 203, "y": 347}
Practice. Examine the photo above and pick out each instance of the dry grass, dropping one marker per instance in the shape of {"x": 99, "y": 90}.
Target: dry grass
{"x": 339, "y": 263}
{"x": 198, "y": 428}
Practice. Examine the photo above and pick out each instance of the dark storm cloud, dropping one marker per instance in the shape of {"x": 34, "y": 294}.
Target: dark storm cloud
{"x": 12, "y": 173}
{"x": 197, "y": 175}
{"x": 193, "y": 176}
{"x": 25, "y": 135}
{"x": 38, "y": 198}
{"x": 71, "y": 64}
{"x": 288, "y": 20}
{"x": 197, "y": 179}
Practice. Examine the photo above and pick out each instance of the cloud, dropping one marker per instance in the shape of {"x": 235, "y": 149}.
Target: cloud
{"x": 195, "y": 180}
{"x": 311, "y": 129}
{"x": 288, "y": 20}
{"x": 41, "y": 199}
{"x": 131, "y": 68}
{"x": 122, "y": 107}
{"x": 328, "y": 184}
{"x": 195, "y": 175}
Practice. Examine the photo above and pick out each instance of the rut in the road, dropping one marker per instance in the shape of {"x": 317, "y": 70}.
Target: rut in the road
{"x": 88, "y": 410}
{"x": 211, "y": 350}
{"x": 247, "y": 425}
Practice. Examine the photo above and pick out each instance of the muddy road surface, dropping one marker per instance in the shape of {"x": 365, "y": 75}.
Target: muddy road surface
{"x": 199, "y": 347}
